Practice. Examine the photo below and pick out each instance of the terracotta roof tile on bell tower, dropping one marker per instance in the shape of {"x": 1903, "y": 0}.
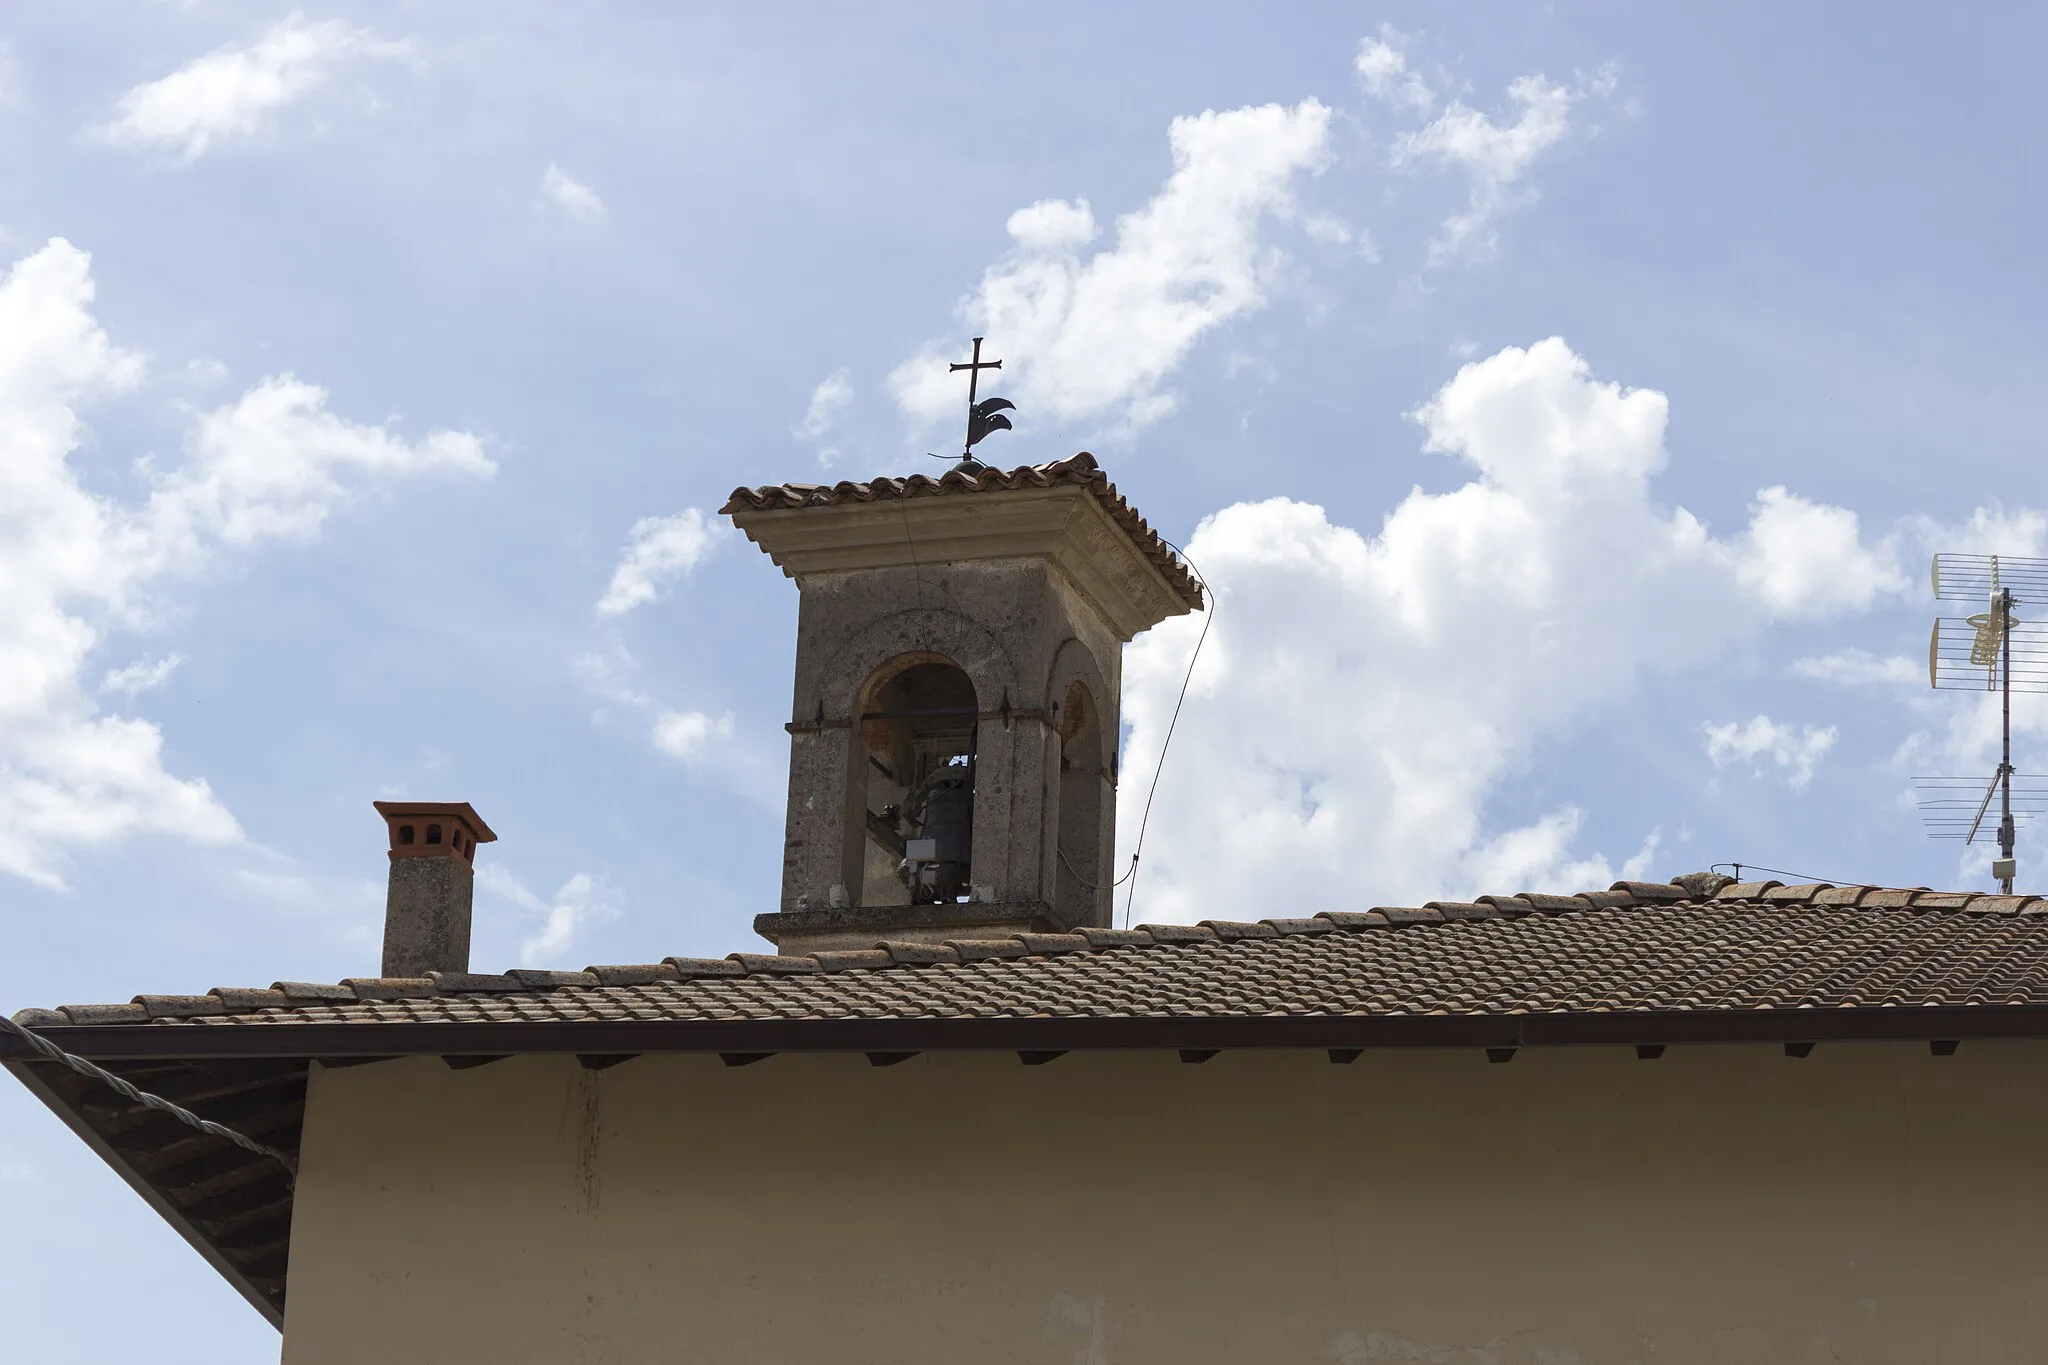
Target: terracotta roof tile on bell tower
{"x": 1079, "y": 470}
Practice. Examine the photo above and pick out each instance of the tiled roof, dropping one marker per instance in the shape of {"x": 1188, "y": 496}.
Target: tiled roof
{"x": 1078, "y": 470}
{"x": 1698, "y": 944}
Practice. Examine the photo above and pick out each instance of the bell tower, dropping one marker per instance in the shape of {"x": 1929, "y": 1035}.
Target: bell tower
{"x": 953, "y": 737}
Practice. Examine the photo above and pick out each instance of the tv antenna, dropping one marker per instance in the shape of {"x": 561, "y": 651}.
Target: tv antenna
{"x": 1991, "y": 651}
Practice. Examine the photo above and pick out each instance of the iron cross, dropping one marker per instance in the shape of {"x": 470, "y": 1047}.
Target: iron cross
{"x": 986, "y": 415}
{"x": 974, "y": 368}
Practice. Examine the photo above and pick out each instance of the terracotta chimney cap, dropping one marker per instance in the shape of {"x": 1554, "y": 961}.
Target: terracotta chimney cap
{"x": 461, "y": 810}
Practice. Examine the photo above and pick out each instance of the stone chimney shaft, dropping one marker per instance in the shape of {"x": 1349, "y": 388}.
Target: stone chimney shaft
{"x": 433, "y": 880}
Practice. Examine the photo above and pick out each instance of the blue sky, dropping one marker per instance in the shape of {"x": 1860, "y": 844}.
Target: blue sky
{"x": 1562, "y": 400}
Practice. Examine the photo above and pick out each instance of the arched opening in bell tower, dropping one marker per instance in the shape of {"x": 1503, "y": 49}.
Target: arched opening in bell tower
{"x": 1081, "y": 892}
{"x": 917, "y": 740}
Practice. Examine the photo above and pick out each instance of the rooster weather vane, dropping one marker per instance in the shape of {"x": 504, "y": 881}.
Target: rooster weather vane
{"x": 983, "y": 417}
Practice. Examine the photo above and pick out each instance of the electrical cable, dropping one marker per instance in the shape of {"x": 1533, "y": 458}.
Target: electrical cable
{"x": 1781, "y": 872}
{"x": 1092, "y": 886}
{"x": 48, "y": 1049}
{"x": 1208, "y": 620}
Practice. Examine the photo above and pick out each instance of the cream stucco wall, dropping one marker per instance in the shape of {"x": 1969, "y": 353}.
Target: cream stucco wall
{"x": 1575, "y": 1207}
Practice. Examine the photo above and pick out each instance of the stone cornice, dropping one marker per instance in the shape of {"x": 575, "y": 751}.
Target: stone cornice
{"x": 1064, "y": 525}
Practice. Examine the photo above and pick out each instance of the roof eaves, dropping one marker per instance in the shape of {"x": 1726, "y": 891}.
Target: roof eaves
{"x": 1027, "y": 1031}
{"x": 1080, "y": 470}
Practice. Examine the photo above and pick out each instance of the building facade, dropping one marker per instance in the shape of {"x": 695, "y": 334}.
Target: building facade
{"x": 1869, "y": 1202}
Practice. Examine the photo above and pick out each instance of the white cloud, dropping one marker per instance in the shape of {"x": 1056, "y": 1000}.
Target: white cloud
{"x": 1363, "y": 696}
{"x": 1993, "y": 530}
{"x": 132, "y": 680}
{"x": 833, "y": 393}
{"x": 1761, "y": 741}
{"x": 1493, "y": 156}
{"x": 1093, "y": 337}
{"x": 1806, "y": 559}
{"x": 1334, "y": 231}
{"x": 205, "y": 372}
{"x": 1053, "y": 225}
{"x": 1540, "y": 853}
{"x": 1494, "y": 152}
{"x": 79, "y": 564}
{"x": 684, "y": 734}
{"x": 1383, "y": 67}
{"x": 573, "y": 197}
{"x": 233, "y": 92}
{"x": 828, "y": 400}
{"x": 495, "y": 878}
{"x": 1859, "y": 668}
{"x": 1966, "y": 738}
{"x": 658, "y": 550}
{"x": 271, "y": 464}
{"x": 708, "y": 744}
{"x": 578, "y": 904}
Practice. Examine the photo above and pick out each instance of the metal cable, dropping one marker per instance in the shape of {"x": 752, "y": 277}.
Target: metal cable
{"x": 1208, "y": 620}
{"x": 1781, "y": 872}
{"x": 48, "y": 1049}
{"x": 1075, "y": 872}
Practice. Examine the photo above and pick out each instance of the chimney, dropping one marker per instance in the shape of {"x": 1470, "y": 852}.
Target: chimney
{"x": 433, "y": 878}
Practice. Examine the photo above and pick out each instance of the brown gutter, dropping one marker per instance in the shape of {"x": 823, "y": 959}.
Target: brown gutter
{"x": 622, "y": 1037}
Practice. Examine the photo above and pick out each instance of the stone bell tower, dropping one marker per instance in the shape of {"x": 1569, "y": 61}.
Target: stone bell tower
{"x": 952, "y": 769}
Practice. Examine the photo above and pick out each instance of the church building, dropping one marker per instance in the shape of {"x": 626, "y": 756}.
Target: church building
{"x": 948, "y": 1112}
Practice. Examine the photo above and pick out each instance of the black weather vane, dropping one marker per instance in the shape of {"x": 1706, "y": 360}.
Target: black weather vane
{"x": 985, "y": 416}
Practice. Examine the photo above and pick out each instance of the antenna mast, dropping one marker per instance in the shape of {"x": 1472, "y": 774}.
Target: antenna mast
{"x": 2001, "y": 612}
{"x": 1993, "y": 649}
